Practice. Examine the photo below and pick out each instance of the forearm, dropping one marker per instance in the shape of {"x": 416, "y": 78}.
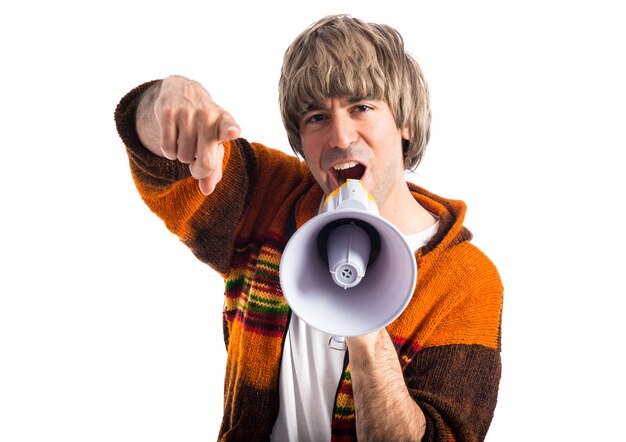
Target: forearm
{"x": 383, "y": 406}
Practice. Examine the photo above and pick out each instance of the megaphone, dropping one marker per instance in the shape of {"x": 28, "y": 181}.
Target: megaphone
{"x": 348, "y": 271}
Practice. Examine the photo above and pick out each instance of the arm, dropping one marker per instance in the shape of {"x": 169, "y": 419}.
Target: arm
{"x": 384, "y": 408}
{"x": 242, "y": 203}
{"x": 448, "y": 342}
{"x": 177, "y": 119}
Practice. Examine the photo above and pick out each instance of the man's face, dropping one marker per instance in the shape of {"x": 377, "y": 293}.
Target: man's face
{"x": 345, "y": 138}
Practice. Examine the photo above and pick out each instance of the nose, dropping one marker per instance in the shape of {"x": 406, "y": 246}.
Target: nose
{"x": 342, "y": 132}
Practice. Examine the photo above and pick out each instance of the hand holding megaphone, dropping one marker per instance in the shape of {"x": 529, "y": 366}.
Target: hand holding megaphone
{"x": 348, "y": 271}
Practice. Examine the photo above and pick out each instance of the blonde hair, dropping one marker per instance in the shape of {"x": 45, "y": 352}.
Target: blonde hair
{"x": 343, "y": 56}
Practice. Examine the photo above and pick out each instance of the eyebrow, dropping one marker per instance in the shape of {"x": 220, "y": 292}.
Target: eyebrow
{"x": 319, "y": 106}
{"x": 312, "y": 107}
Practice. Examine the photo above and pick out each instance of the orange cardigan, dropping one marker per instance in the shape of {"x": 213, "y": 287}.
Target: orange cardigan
{"x": 447, "y": 339}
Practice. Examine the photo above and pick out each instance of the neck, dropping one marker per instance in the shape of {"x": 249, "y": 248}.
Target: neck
{"x": 401, "y": 209}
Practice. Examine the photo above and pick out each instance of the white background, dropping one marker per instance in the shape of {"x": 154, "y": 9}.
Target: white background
{"x": 110, "y": 330}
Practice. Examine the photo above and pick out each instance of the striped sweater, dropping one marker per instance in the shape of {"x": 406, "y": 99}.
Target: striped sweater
{"x": 447, "y": 339}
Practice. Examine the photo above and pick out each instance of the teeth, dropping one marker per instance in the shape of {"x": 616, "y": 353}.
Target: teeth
{"x": 343, "y": 166}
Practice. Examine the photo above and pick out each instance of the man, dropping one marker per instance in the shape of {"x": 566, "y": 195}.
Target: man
{"x": 355, "y": 106}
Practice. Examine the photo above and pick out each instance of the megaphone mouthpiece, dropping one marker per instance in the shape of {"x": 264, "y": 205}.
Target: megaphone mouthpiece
{"x": 348, "y": 249}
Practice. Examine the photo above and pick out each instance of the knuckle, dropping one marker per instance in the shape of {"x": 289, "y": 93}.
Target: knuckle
{"x": 206, "y": 116}
{"x": 165, "y": 114}
{"x": 184, "y": 113}
{"x": 203, "y": 114}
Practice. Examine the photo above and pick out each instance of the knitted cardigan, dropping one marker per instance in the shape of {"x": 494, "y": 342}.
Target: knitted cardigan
{"x": 447, "y": 339}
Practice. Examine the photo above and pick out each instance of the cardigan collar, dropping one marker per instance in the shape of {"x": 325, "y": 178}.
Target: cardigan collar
{"x": 451, "y": 214}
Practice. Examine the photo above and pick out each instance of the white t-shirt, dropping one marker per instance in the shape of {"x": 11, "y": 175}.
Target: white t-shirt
{"x": 310, "y": 372}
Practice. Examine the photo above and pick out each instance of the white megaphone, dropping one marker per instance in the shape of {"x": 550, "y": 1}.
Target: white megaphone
{"x": 347, "y": 271}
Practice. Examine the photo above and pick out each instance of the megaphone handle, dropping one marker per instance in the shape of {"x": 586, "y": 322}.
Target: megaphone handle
{"x": 338, "y": 343}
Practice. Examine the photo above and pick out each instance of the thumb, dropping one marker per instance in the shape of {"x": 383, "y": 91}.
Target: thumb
{"x": 228, "y": 129}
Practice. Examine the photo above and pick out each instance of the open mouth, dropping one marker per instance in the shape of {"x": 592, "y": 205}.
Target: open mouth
{"x": 350, "y": 170}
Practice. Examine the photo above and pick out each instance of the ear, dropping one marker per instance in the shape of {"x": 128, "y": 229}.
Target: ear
{"x": 406, "y": 132}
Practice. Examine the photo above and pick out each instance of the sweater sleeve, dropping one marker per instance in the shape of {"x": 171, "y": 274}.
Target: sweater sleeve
{"x": 209, "y": 225}
{"x": 455, "y": 375}
{"x": 456, "y": 386}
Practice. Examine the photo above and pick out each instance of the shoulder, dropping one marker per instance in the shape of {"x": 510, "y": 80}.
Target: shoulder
{"x": 465, "y": 275}
{"x": 469, "y": 294}
{"x": 470, "y": 263}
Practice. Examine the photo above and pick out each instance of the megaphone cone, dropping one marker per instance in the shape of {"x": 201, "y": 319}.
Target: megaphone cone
{"x": 348, "y": 271}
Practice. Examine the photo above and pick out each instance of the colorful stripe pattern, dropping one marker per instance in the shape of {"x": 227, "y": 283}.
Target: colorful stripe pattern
{"x": 253, "y": 294}
{"x": 343, "y": 426}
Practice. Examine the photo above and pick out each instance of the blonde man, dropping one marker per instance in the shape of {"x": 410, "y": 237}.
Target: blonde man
{"x": 355, "y": 105}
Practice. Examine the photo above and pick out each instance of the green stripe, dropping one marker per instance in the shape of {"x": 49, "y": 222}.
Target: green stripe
{"x": 261, "y": 300}
{"x": 235, "y": 283}
{"x": 344, "y": 411}
{"x": 269, "y": 264}
{"x": 260, "y": 307}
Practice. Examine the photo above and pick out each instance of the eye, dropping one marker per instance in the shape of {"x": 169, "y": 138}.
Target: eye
{"x": 315, "y": 118}
{"x": 362, "y": 108}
